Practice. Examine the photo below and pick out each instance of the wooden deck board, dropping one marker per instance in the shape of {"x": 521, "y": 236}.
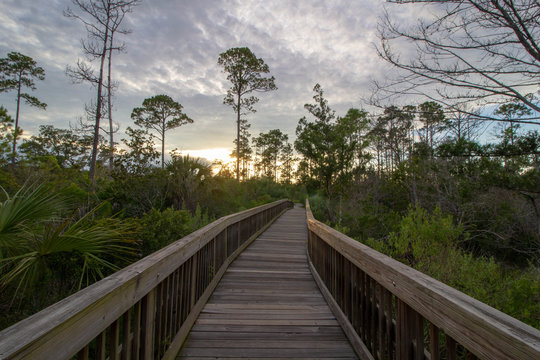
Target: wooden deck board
{"x": 268, "y": 306}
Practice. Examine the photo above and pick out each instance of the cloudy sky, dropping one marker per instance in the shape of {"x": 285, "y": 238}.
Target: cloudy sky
{"x": 174, "y": 47}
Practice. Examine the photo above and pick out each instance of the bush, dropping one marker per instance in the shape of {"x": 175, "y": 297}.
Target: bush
{"x": 430, "y": 244}
{"x": 161, "y": 228}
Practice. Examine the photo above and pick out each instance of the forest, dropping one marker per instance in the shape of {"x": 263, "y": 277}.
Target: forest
{"x": 444, "y": 185}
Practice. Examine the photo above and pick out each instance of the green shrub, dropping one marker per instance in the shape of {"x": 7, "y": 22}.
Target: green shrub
{"x": 430, "y": 244}
{"x": 160, "y": 228}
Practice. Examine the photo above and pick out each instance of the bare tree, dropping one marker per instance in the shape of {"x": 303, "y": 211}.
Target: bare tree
{"x": 101, "y": 19}
{"x": 471, "y": 51}
{"x": 463, "y": 126}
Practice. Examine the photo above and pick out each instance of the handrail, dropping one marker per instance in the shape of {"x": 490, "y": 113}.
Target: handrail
{"x": 398, "y": 312}
{"x": 145, "y": 310}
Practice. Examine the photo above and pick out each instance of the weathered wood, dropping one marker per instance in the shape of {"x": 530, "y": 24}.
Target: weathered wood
{"x": 113, "y": 340}
{"x": 434, "y": 342}
{"x": 84, "y": 315}
{"x": 148, "y": 314}
{"x": 83, "y": 353}
{"x": 357, "y": 344}
{"x": 101, "y": 344}
{"x": 486, "y": 332}
{"x": 182, "y": 333}
{"x": 137, "y": 318}
{"x": 274, "y": 353}
{"x": 126, "y": 336}
{"x": 267, "y": 304}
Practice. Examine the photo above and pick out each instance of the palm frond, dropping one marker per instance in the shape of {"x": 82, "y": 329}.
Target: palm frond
{"x": 30, "y": 205}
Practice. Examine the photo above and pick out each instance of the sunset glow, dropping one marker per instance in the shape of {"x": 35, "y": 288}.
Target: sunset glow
{"x": 211, "y": 154}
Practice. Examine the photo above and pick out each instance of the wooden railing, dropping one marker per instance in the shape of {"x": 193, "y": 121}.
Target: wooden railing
{"x": 146, "y": 310}
{"x": 391, "y": 311}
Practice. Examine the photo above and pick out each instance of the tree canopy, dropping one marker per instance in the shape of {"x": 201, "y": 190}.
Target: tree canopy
{"x": 18, "y": 71}
{"x": 159, "y": 114}
{"x": 246, "y": 73}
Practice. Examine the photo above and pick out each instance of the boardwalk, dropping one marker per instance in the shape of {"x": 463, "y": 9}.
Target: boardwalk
{"x": 268, "y": 306}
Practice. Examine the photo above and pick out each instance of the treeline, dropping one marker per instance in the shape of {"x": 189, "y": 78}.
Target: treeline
{"x": 422, "y": 185}
{"x": 58, "y": 233}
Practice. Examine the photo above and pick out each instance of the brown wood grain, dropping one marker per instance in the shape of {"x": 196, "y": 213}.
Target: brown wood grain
{"x": 86, "y": 314}
{"x": 268, "y": 305}
{"x": 484, "y": 331}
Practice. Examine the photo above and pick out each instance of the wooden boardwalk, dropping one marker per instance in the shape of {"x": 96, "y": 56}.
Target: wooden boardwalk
{"x": 268, "y": 306}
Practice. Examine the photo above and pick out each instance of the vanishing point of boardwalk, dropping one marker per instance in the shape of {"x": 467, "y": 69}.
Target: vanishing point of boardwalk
{"x": 268, "y": 305}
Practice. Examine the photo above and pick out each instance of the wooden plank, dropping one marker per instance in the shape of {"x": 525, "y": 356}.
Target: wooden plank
{"x": 274, "y": 352}
{"x": 268, "y": 344}
{"x": 101, "y": 343}
{"x": 284, "y": 312}
{"x": 82, "y": 316}
{"x": 487, "y": 332}
{"x": 148, "y": 315}
{"x": 83, "y": 353}
{"x": 269, "y": 306}
{"x": 182, "y": 333}
{"x": 268, "y": 358}
{"x": 275, "y": 336}
{"x": 126, "y": 336}
{"x": 260, "y": 315}
{"x": 113, "y": 340}
{"x": 264, "y": 322}
{"x": 295, "y": 307}
{"x": 137, "y": 318}
{"x": 434, "y": 342}
{"x": 357, "y": 344}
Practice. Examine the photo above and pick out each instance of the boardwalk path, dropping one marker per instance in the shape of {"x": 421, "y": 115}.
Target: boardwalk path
{"x": 268, "y": 306}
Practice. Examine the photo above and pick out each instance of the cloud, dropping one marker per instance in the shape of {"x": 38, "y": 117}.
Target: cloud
{"x": 173, "y": 49}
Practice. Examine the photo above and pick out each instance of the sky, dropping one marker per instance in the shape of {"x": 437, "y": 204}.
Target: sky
{"x": 173, "y": 49}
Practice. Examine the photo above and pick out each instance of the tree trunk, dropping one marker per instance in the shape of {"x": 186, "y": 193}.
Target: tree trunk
{"x": 238, "y": 139}
{"x": 109, "y": 105}
{"x": 99, "y": 104}
{"x": 163, "y": 146}
{"x": 15, "y": 134}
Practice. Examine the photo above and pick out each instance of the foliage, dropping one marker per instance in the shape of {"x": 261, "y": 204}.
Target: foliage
{"x": 429, "y": 243}
{"x": 246, "y": 73}
{"x": 332, "y": 150}
{"x": 140, "y": 155}
{"x": 69, "y": 149}
{"x": 188, "y": 181}
{"x": 18, "y": 71}
{"x": 6, "y": 135}
{"x": 269, "y": 147}
{"x": 159, "y": 114}
{"x": 241, "y": 144}
{"x": 158, "y": 229}
{"x": 34, "y": 236}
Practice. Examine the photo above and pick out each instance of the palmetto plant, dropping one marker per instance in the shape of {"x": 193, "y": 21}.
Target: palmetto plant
{"x": 33, "y": 236}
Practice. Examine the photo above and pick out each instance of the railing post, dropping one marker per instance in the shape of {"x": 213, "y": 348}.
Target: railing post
{"x": 194, "y": 276}
{"x": 404, "y": 331}
{"x": 148, "y": 324}
{"x": 113, "y": 340}
{"x": 126, "y": 325}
